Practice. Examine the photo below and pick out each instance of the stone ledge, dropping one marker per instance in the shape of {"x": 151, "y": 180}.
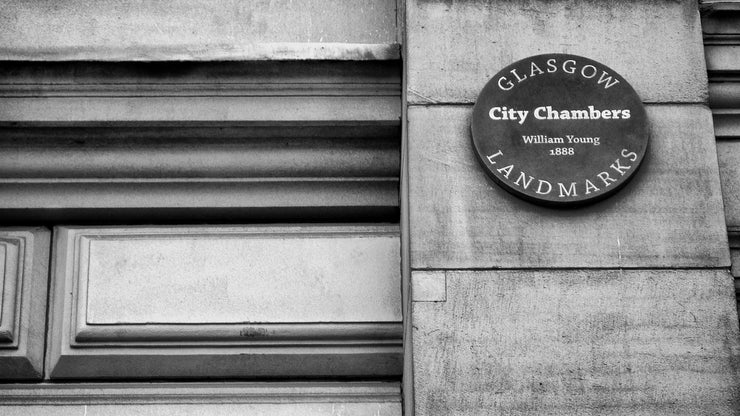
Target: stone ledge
{"x": 198, "y": 393}
{"x": 279, "y": 51}
{"x": 193, "y": 30}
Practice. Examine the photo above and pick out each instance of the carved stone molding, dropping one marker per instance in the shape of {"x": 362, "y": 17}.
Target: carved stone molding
{"x": 194, "y": 142}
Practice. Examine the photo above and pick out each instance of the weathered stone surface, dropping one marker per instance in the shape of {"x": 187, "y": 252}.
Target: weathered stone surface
{"x": 579, "y": 343}
{"x": 198, "y": 30}
{"x": 454, "y": 48}
{"x": 24, "y": 262}
{"x": 670, "y": 215}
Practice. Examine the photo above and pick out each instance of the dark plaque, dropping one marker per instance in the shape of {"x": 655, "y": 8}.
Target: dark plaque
{"x": 559, "y": 130}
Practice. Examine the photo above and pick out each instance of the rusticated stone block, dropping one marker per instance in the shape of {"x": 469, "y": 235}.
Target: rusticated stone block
{"x": 638, "y": 342}
{"x": 669, "y": 215}
{"x": 454, "y": 48}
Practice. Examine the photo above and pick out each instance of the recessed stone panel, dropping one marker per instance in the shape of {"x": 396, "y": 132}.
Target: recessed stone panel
{"x": 669, "y": 215}
{"x": 454, "y": 48}
{"x": 274, "y": 277}
{"x": 24, "y": 256}
{"x": 578, "y": 343}
{"x": 251, "y": 301}
{"x": 10, "y": 299}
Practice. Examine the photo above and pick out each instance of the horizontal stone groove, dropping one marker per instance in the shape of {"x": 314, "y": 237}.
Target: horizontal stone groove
{"x": 194, "y": 180}
{"x": 196, "y": 393}
{"x": 227, "y": 109}
{"x": 724, "y": 93}
{"x": 722, "y": 58}
{"x": 726, "y": 123}
{"x": 248, "y": 158}
{"x": 226, "y": 91}
{"x": 229, "y": 200}
{"x": 472, "y": 103}
{"x": 199, "y": 215}
{"x": 562, "y": 269}
{"x": 306, "y": 89}
{"x": 150, "y": 76}
{"x": 733, "y": 233}
{"x": 195, "y": 131}
{"x": 295, "y": 195}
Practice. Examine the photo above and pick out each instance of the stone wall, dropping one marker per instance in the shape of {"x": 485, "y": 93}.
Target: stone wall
{"x": 625, "y": 306}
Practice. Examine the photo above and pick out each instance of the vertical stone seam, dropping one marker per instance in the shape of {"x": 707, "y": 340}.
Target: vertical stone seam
{"x": 407, "y": 381}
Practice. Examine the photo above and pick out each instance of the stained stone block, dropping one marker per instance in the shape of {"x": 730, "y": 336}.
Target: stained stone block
{"x": 454, "y": 48}
{"x": 24, "y": 261}
{"x": 669, "y": 215}
{"x": 637, "y": 342}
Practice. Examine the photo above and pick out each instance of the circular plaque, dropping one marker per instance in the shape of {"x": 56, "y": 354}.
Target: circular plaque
{"x": 559, "y": 130}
